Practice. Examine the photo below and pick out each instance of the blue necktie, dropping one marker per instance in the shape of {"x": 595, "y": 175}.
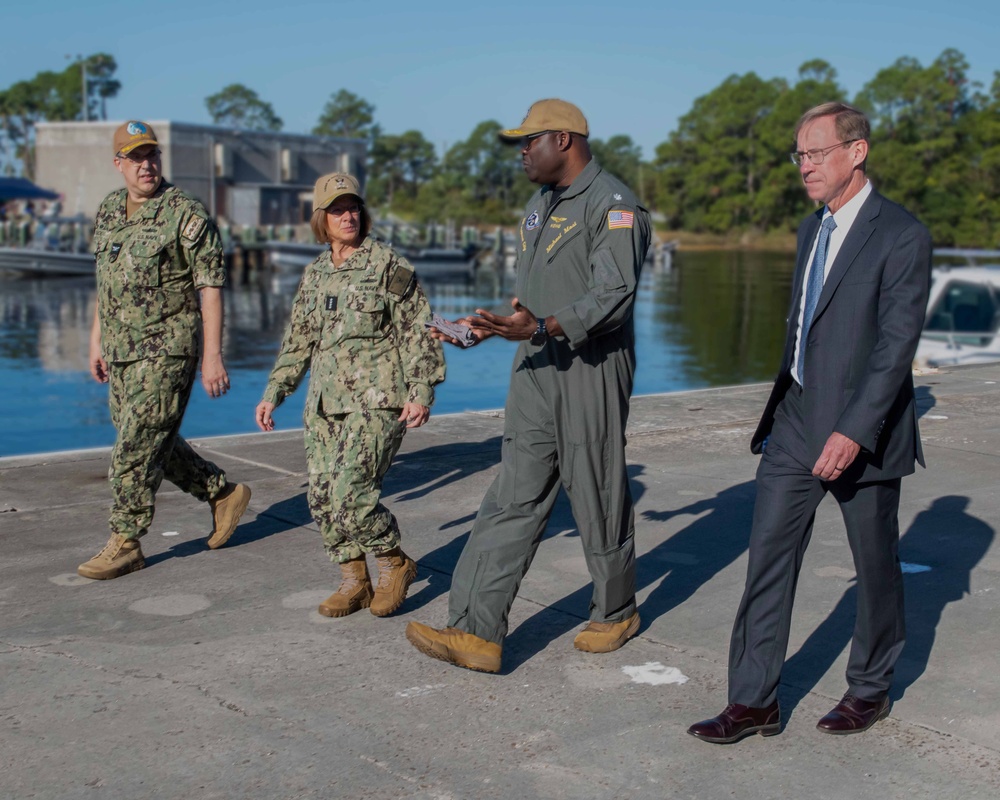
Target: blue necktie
{"x": 814, "y": 288}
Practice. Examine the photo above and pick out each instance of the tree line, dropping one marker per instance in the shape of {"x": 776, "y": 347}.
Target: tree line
{"x": 56, "y": 96}
{"x": 935, "y": 149}
{"x": 723, "y": 170}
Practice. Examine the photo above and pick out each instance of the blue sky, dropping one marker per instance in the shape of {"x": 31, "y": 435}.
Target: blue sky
{"x": 442, "y": 67}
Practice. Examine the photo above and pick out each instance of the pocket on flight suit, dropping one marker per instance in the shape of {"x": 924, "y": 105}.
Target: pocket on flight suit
{"x": 589, "y": 487}
{"x": 507, "y": 479}
{"x": 525, "y": 476}
{"x": 562, "y": 244}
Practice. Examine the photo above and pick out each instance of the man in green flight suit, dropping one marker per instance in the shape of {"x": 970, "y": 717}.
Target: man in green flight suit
{"x": 581, "y": 245}
{"x": 159, "y": 300}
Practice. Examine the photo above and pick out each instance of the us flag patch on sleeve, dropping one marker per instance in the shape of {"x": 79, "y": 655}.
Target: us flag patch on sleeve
{"x": 619, "y": 219}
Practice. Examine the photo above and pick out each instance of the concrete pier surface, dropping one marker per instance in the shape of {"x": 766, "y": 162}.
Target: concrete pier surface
{"x": 209, "y": 674}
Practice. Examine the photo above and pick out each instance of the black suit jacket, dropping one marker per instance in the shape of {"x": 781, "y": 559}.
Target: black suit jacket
{"x": 862, "y": 340}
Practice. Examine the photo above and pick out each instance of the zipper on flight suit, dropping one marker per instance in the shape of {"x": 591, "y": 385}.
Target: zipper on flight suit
{"x": 544, "y": 222}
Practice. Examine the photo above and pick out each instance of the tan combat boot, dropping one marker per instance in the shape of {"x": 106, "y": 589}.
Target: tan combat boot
{"x": 120, "y": 556}
{"x": 355, "y": 590}
{"x": 227, "y": 508}
{"x": 456, "y": 647}
{"x": 396, "y": 571}
{"x": 603, "y": 637}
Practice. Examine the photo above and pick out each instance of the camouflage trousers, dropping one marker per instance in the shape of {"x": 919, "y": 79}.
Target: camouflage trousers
{"x": 349, "y": 455}
{"x": 147, "y": 400}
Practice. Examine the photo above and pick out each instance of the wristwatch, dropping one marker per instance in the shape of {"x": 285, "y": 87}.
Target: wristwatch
{"x": 541, "y": 335}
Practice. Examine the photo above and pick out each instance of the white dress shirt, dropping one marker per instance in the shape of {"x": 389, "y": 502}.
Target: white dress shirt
{"x": 845, "y": 219}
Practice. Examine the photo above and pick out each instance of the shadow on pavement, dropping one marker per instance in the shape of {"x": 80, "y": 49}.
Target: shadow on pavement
{"x": 945, "y": 538}
{"x": 683, "y": 563}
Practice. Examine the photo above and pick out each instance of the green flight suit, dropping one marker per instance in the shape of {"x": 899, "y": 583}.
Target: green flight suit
{"x": 149, "y": 268}
{"x": 580, "y": 254}
{"x": 359, "y": 330}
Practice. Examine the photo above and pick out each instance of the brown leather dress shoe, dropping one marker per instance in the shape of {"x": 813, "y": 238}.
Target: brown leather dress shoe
{"x": 854, "y": 715}
{"x": 737, "y": 722}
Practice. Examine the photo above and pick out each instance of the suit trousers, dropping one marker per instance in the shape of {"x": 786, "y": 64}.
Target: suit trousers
{"x": 787, "y": 497}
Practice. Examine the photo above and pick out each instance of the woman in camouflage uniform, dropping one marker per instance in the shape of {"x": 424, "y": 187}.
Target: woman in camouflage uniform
{"x": 358, "y": 324}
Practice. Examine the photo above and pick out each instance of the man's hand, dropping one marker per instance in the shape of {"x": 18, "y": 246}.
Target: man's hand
{"x": 838, "y": 454}
{"x": 214, "y": 377}
{"x": 98, "y": 366}
{"x": 441, "y": 336}
{"x": 213, "y": 372}
{"x": 414, "y": 415}
{"x": 515, "y": 328}
{"x": 264, "y": 419}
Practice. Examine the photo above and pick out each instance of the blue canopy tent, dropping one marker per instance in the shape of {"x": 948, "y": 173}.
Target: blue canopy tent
{"x": 23, "y": 189}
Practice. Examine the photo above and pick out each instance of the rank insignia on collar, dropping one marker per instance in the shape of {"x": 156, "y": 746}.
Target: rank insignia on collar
{"x": 331, "y": 302}
{"x": 532, "y": 221}
{"x": 617, "y": 196}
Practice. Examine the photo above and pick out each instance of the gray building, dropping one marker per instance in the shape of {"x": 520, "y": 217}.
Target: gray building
{"x": 244, "y": 177}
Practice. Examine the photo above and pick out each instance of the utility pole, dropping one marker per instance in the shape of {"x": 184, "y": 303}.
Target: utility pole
{"x": 211, "y": 175}
{"x": 83, "y": 72}
{"x": 86, "y": 100}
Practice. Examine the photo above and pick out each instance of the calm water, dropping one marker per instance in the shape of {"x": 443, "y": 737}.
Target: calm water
{"x": 715, "y": 319}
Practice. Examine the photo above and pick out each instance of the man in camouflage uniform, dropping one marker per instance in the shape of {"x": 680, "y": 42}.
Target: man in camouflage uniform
{"x": 581, "y": 245}
{"x": 158, "y": 254}
{"x": 357, "y": 326}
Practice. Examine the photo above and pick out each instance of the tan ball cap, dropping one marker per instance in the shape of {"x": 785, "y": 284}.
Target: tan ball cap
{"x": 550, "y": 115}
{"x": 133, "y": 134}
{"x": 329, "y": 187}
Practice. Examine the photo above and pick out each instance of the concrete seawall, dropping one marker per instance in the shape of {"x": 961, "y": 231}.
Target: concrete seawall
{"x": 209, "y": 674}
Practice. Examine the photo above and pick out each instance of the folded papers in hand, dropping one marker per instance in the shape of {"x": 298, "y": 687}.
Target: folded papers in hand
{"x": 456, "y": 330}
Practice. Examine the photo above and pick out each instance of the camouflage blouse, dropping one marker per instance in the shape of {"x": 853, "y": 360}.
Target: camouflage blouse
{"x": 360, "y": 329}
{"x": 149, "y": 269}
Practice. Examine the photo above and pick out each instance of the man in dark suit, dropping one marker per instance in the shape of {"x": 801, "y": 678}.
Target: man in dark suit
{"x": 841, "y": 419}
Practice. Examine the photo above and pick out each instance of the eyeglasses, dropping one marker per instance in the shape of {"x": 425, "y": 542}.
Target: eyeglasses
{"x": 818, "y": 155}
{"x": 339, "y": 211}
{"x": 137, "y": 158}
{"x": 526, "y": 141}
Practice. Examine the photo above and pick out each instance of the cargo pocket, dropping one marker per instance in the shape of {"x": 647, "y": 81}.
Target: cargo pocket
{"x": 101, "y": 256}
{"x": 526, "y": 470}
{"x": 507, "y": 479}
{"x": 145, "y": 263}
{"x": 100, "y": 244}
{"x": 589, "y": 488}
{"x": 364, "y": 315}
{"x": 169, "y": 407}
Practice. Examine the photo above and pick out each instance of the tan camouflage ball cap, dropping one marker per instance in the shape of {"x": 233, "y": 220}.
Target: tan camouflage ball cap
{"x": 329, "y": 187}
{"x": 132, "y": 134}
{"x": 549, "y": 115}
